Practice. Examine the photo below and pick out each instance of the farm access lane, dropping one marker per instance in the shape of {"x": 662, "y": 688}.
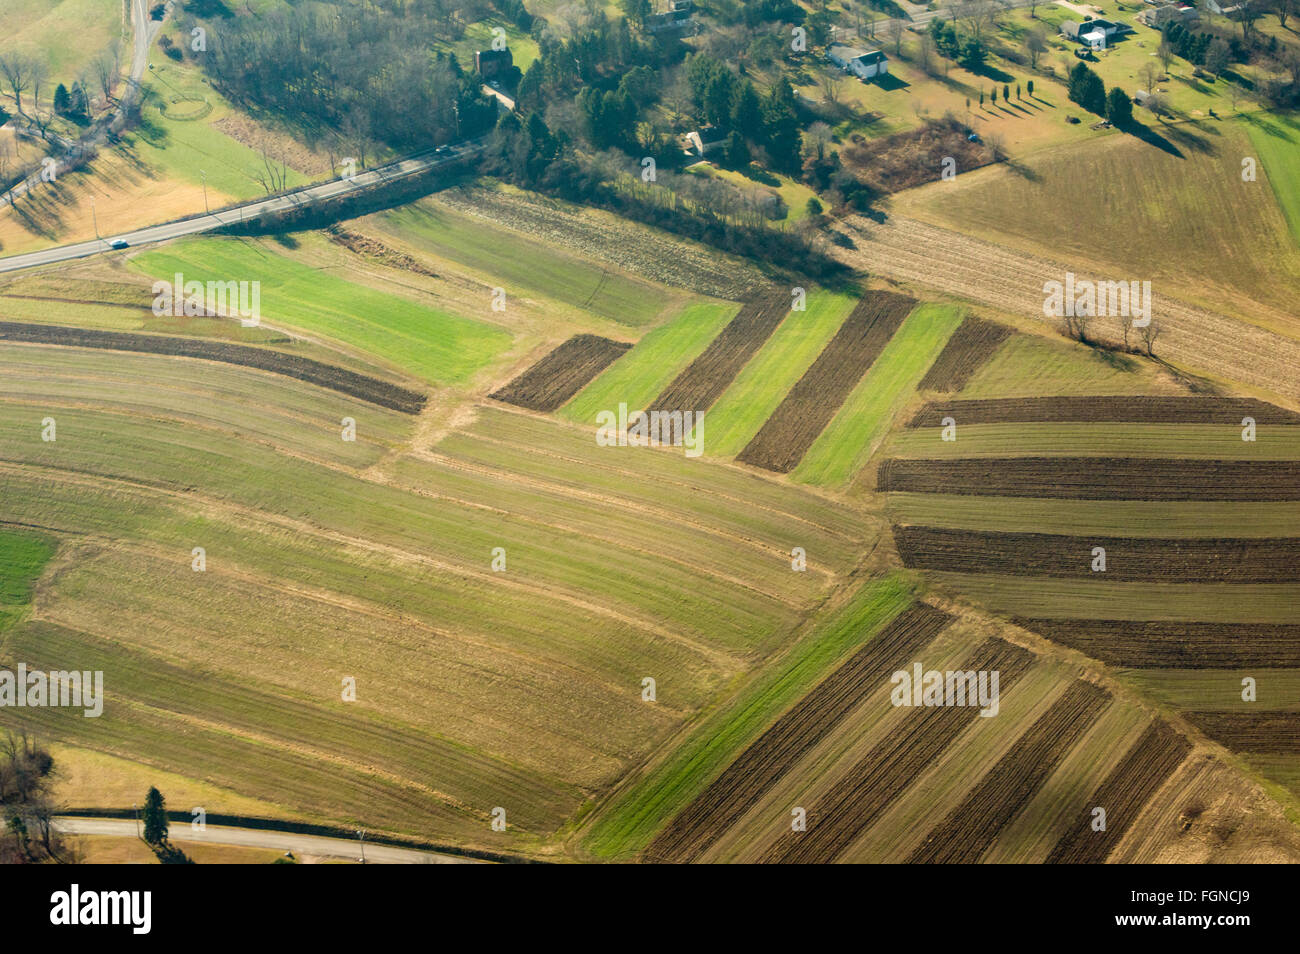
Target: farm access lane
{"x": 275, "y": 840}
{"x": 398, "y": 169}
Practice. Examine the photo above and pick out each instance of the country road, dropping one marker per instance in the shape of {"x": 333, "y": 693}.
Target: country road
{"x": 274, "y": 840}
{"x": 143, "y": 32}
{"x": 398, "y": 169}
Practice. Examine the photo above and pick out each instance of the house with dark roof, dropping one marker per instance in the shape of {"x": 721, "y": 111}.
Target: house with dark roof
{"x": 1095, "y": 33}
{"x": 863, "y": 64}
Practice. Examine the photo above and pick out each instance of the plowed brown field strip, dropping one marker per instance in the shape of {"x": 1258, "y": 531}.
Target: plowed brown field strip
{"x": 562, "y": 373}
{"x": 1160, "y": 645}
{"x": 882, "y": 775}
{"x": 323, "y": 375}
{"x": 1094, "y": 478}
{"x": 1127, "y": 558}
{"x": 972, "y": 827}
{"x": 786, "y": 436}
{"x": 702, "y": 382}
{"x": 1130, "y": 784}
{"x": 1276, "y": 732}
{"x": 1120, "y": 409}
{"x": 763, "y": 764}
{"x": 970, "y": 346}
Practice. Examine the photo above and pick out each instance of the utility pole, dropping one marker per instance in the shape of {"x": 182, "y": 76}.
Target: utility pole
{"x": 93, "y": 218}
{"x": 136, "y": 810}
{"x": 361, "y": 835}
{"x": 205, "y": 189}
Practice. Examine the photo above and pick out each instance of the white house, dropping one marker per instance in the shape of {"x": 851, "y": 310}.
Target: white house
{"x": 863, "y": 64}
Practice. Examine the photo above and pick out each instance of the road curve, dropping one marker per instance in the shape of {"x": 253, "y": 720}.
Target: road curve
{"x": 274, "y": 840}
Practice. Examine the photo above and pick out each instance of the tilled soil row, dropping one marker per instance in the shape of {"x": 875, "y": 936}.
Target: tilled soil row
{"x": 1145, "y": 767}
{"x": 1157, "y": 644}
{"x": 1094, "y": 478}
{"x": 970, "y": 346}
{"x": 1126, "y": 558}
{"x": 971, "y": 828}
{"x": 1119, "y": 409}
{"x": 771, "y": 756}
{"x": 876, "y": 782}
{"x": 1274, "y": 733}
{"x": 371, "y": 390}
{"x": 702, "y": 382}
{"x": 562, "y": 373}
{"x": 786, "y": 436}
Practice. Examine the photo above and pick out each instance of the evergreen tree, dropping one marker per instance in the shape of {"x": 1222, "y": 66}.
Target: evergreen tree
{"x": 61, "y": 100}
{"x": 1119, "y": 108}
{"x": 155, "y": 817}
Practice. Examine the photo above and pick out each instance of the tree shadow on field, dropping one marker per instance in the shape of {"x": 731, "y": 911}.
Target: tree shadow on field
{"x": 1020, "y": 169}
{"x": 1153, "y": 138}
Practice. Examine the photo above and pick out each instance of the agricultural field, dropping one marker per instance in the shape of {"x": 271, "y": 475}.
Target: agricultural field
{"x": 933, "y": 578}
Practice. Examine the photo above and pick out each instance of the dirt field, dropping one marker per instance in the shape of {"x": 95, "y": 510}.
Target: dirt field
{"x": 704, "y": 379}
{"x": 786, "y": 436}
{"x": 1146, "y": 766}
{"x": 872, "y": 785}
{"x": 562, "y": 373}
{"x": 972, "y": 344}
{"x": 1083, "y": 410}
{"x": 969, "y": 830}
{"x": 1011, "y": 281}
{"x": 763, "y": 764}
{"x": 1127, "y": 558}
{"x": 359, "y": 386}
{"x": 1160, "y": 645}
{"x": 1095, "y": 478}
{"x": 1276, "y": 732}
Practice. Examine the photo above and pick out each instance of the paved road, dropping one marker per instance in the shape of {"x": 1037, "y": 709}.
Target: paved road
{"x": 274, "y": 840}
{"x": 143, "y": 33}
{"x": 399, "y": 169}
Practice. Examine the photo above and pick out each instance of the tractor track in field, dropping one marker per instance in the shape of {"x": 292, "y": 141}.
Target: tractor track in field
{"x": 870, "y": 786}
{"x": 767, "y": 760}
{"x": 246, "y": 515}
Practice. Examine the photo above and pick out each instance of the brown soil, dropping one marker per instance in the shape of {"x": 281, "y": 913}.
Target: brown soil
{"x": 704, "y": 379}
{"x": 876, "y": 782}
{"x": 972, "y": 344}
{"x": 562, "y": 373}
{"x": 328, "y": 376}
{"x": 1129, "y": 786}
{"x": 1127, "y": 558}
{"x": 1276, "y": 732}
{"x": 775, "y": 752}
{"x": 1119, "y": 409}
{"x": 973, "y": 826}
{"x": 786, "y": 436}
{"x": 1095, "y": 478}
{"x": 1160, "y": 645}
